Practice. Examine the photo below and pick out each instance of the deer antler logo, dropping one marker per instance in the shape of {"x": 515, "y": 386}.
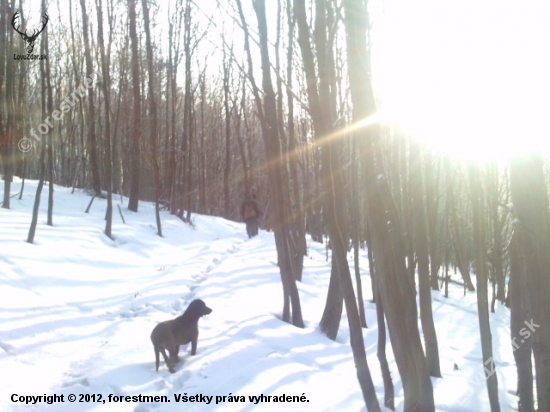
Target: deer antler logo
{"x": 29, "y": 39}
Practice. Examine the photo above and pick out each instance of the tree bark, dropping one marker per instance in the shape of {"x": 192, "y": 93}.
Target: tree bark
{"x": 267, "y": 113}
{"x": 7, "y": 109}
{"x": 334, "y": 191}
{"x": 481, "y": 283}
{"x": 519, "y": 312}
{"x": 105, "y": 84}
{"x": 227, "y": 112}
{"x": 389, "y": 394}
{"x": 92, "y": 139}
{"x": 153, "y": 112}
{"x": 421, "y": 247}
{"x": 530, "y": 199}
{"x": 135, "y": 155}
{"x": 397, "y": 294}
{"x": 42, "y": 172}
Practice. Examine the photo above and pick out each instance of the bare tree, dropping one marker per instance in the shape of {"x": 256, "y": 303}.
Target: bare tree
{"x": 267, "y": 111}
{"x": 7, "y": 123}
{"x": 43, "y": 99}
{"x": 136, "y": 121}
{"x": 105, "y": 85}
{"x": 92, "y": 139}
{"x": 481, "y": 281}
{"x": 334, "y": 184}
{"x": 153, "y": 112}
{"x": 398, "y": 295}
{"x": 421, "y": 248}
{"x": 530, "y": 275}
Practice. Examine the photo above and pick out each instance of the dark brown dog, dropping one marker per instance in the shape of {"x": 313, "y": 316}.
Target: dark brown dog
{"x": 169, "y": 335}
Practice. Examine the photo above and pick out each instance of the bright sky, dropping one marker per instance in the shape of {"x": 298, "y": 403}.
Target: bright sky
{"x": 469, "y": 78}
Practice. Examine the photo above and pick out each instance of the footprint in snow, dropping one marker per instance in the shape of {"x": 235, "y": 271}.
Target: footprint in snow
{"x": 6, "y": 347}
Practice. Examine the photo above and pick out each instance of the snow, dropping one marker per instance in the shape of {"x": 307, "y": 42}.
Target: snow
{"x": 77, "y": 309}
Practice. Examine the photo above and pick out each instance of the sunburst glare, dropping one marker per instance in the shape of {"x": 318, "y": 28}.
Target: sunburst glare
{"x": 468, "y": 79}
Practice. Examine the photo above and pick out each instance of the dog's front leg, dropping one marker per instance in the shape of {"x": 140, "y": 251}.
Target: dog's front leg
{"x": 194, "y": 346}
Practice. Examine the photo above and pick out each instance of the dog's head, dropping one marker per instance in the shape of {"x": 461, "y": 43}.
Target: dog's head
{"x": 199, "y": 308}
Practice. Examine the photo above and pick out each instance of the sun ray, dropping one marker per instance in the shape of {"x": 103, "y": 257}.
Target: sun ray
{"x": 468, "y": 79}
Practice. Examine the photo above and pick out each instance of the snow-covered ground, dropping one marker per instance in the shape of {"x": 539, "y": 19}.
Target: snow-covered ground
{"x": 77, "y": 310}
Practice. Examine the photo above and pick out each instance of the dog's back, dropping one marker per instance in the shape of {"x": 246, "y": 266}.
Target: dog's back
{"x": 170, "y": 334}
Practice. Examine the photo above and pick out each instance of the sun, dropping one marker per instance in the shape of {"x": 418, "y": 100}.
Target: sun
{"x": 470, "y": 80}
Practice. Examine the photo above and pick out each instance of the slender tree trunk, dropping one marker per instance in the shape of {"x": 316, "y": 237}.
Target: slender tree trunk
{"x": 293, "y": 158}
{"x": 153, "y": 112}
{"x": 332, "y": 313}
{"x": 185, "y": 144}
{"x": 135, "y": 155}
{"x": 105, "y": 85}
{"x": 397, "y": 294}
{"x": 421, "y": 248}
{"x": 463, "y": 266}
{"x": 277, "y": 186}
{"x": 519, "y": 312}
{"x": 358, "y": 282}
{"x": 92, "y": 139}
{"x": 431, "y": 183}
{"x": 334, "y": 187}
{"x": 530, "y": 199}
{"x": 481, "y": 282}
{"x": 227, "y": 111}
{"x": 50, "y": 136}
{"x": 7, "y": 109}
{"x": 389, "y": 394}
{"x": 42, "y": 170}
{"x": 356, "y": 223}
{"x": 172, "y": 164}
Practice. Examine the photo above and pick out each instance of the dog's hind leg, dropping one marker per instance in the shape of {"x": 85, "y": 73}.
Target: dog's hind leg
{"x": 157, "y": 360}
{"x": 167, "y": 360}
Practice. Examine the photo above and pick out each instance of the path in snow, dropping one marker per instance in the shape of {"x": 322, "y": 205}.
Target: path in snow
{"x": 77, "y": 309}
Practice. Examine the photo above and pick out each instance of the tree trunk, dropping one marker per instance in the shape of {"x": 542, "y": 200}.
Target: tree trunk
{"x": 92, "y": 139}
{"x": 396, "y": 293}
{"x": 293, "y": 159}
{"x": 530, "y": 200}
{"x": 421, "y": 248}
{"x": 227, "y": 112}
{"x": 135, "y": 154}
{"x": 519, "y": 312}
{"x": 286, "y": 255}
{"x": 49, "y": 109}
{"x": 185, "y": 144}
{"x": 463, "y": 265}
{"x": 481, "y": 282}
{"x": 7, "y": 109}
{"x": 334, "y": 188}
{"x": 105, "y": 85}
{"x": 153, "y": 112}
{"x": 431, "y": 183}
{"x": 36, "y": 206}
{"x": 332, "y": 314}
{"x": 389, "y": 394}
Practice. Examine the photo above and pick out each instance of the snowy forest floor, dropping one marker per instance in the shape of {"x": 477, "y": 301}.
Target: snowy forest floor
{"x": 77, "y": 310}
